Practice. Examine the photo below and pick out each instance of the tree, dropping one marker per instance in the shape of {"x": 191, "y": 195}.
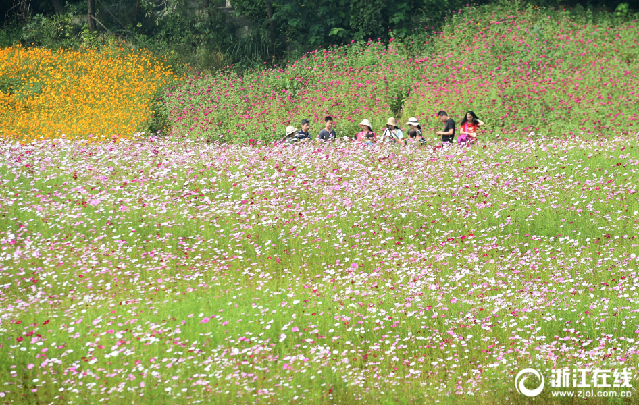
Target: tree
{"x": 57, "y": 6}
{"x": 313, "y": 23}
{"x": 91, "y": 15}
{"x": 138, "y": 11}
{"x": 269, "y": 14}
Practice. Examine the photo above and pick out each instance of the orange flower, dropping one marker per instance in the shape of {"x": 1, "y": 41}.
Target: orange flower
{"x": 80, "y": 95}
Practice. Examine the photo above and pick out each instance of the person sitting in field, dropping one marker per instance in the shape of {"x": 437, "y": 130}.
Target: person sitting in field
{"x": 328, "y": 133}
{"x": 291, "y": 136}
{"x": 468, "y": 128}
{"x": 366, "y": 135}
{"x": 448, "y": 134}
{"x": 415, "y": 130}
{"x": 303, "y": 134}
{"x": 392, "y": 133}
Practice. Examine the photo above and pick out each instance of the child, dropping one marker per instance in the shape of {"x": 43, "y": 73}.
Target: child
{"x": 328, "y": 133}
{"x": 415, "y": 130}
{"x": 303, "y": 135}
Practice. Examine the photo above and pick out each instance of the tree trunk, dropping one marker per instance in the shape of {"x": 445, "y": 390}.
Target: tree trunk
{"x": 138, "y": 11}
{"x": 91, "y": 15}
{"x": 269, "y": 13}
{"x": 57, "y": 6}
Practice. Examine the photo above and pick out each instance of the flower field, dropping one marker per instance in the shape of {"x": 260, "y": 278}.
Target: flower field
{"x": 168, "y": 270}
{"x": 259, "y": 105}
{"x": 182, "y": 272}
{"x": 79, "y": 95}
{"x": 520, "y": 69}
{"x": 539, "y": 71}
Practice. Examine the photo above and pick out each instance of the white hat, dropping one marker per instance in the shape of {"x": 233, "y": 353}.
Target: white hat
{"x": 290, "y": 130}
{"x": 366, "y": 122}
{"x": 391, "y": 121}
{"x": 413, "y": 121}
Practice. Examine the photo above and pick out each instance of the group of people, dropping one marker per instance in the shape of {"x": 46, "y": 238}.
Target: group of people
{"x": 393, "y": 134}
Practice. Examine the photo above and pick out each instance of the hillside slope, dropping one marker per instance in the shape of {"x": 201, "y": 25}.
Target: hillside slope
{"x": 535, "y": 70}
{"x": 520, "y": 69}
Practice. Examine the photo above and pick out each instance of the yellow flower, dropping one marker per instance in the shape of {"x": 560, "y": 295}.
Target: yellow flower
{"x": 85, "y": 94}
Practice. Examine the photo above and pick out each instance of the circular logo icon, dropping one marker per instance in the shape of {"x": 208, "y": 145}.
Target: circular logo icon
{"x": 521, "y": 378}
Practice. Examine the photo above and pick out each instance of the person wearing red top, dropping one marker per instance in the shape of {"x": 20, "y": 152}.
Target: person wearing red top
{"x": 468, "y": 128}
{"x": 366, "y": 135}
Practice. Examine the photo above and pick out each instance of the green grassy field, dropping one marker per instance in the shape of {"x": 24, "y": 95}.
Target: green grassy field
{"x": 184, "y": 273}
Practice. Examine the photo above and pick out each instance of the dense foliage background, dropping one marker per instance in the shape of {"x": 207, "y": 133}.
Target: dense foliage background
{"x": 207, "y": 36}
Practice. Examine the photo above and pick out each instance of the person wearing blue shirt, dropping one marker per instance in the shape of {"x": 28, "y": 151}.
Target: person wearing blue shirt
{"x": 303, "y": 135}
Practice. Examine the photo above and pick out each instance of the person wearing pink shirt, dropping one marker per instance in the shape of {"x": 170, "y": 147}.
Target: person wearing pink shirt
{"x": 366, "y": 135}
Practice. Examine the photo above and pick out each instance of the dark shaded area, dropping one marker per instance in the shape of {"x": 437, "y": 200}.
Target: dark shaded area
{"x": 207, "y": 35}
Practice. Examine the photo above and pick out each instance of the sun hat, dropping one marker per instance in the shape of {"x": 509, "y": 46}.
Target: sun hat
{"x": 413, "y": 121}
{"x": 391, "y": 121}
{"x": 290, "y": 130}
{"x": 366, "y": 122}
